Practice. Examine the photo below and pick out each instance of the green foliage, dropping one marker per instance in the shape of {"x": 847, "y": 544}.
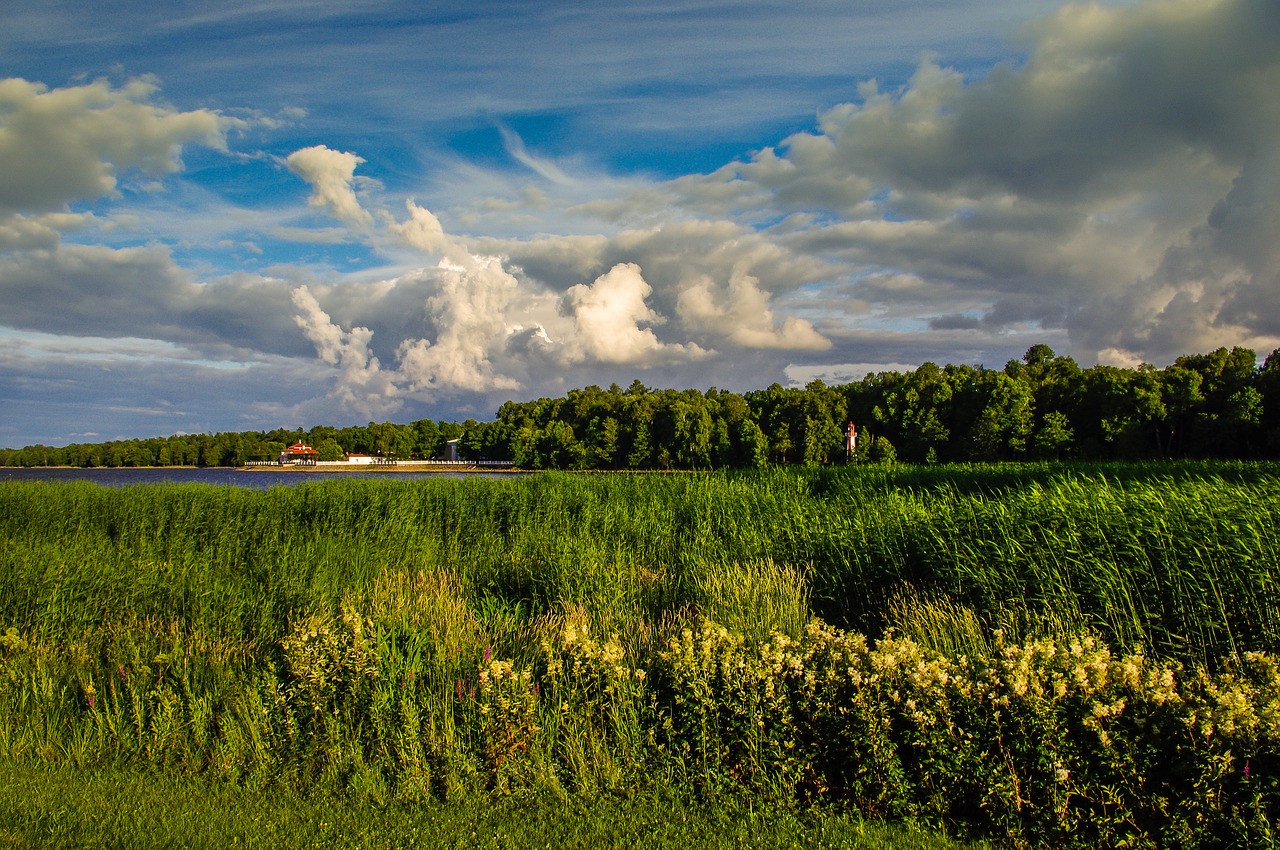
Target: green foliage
{"x": 1053, "y": 655}
{"x": 123, "y": 807}
{"x": 329, "y": 450}
{"x": 1216, "y": 405}
{"x": 1051, "y": 741}
{"x": 882, "y": 451}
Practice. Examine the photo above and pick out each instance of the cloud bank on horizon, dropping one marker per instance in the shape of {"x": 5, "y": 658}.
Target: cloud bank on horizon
{"x": 1109, "y": 186}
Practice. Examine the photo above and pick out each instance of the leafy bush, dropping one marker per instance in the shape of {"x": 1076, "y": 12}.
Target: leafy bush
{"x": 1056, "y": 742}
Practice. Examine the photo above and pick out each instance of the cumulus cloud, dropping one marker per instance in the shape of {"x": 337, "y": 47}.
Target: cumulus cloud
{"x": 607, "y": 315}
{"x": 423, "y": 231}
{"x": 492, "y": 319}
{"x": 82, "y": 142}
{"x": 470, "y": 309}
{"x": 21, "y": 231}
{"x": 331, "y": 175}
{"x": 1119, "y": 183}
{"x": 673, "y": 257}
{"x": 1222, "y": 281}
{"x": 361, "y": 385}
{"x": 740, "y": 311}
{"x": 489, "y": 325}
{"x": 59, "y": 145}
{"x": 466, "y": 300}
{"x": 79, "y": 142}
{"x": 90, "y": 290}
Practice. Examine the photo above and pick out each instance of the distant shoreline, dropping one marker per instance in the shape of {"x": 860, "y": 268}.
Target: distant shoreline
{"x": 403, "y": 466}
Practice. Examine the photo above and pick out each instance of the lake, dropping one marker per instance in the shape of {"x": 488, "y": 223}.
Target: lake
{"x": 226, "y": 476}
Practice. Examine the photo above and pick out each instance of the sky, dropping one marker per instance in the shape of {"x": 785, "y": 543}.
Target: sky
{"x": 256, "y": 214}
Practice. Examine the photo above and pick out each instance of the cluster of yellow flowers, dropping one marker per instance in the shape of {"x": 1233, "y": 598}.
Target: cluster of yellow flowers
{"x": 591, "y": 678}
{"x": 1040, "y": 737}
{"x": 1239, "y": 703}
{"x": 328, "y": 660}
{"x": 507, "y": 707}
{"x": 1038, "y": 733}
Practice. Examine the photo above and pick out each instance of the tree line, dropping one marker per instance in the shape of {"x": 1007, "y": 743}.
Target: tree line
{"x": 1219, "y": 405}
{"x": 424, "y": 438}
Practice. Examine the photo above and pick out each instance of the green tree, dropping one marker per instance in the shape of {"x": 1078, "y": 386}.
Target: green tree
{"x": 1180, "y": 391}
{"x": 913, "y": 409}
{"x": 603, "y": 444}
{"x": 691, "y": 430}
{"x": 329, "y": 450}
{"x": 882, "y": 451}
{"x": 558, "y": 448}
{"x": 426, "y": 438}
{"x": 1216, "y": 428}
{"x": 1267, "y": 382}
{"x": 1003, "y": 426}
{"x": 1054, "y": 437}
{"x": 753, "y": 445}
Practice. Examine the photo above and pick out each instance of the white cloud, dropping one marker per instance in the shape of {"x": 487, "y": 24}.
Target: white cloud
{"x": 424, "y": 232}
{"x": 59, "y": 145}
{"x": 331, "y": 175}
{"x": 470, "y": 311}
{"x": 841, "y": 373}
{"x": 21, "y": 231}
{"x": 1116, "y": 184}
{"x": 740, "y": 311}
{"x": 360, "y": 385}
{"x": 89, "y": 290}
{"x": 607, "y": 316}
{"x": 465, "y": 298}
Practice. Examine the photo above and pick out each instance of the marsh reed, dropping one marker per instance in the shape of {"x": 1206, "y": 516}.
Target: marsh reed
{"x": 587, "y": 633}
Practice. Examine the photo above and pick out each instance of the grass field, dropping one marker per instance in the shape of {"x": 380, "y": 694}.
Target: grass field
{"x": 1054, "y": 654}
{"x": 47, "y": 808}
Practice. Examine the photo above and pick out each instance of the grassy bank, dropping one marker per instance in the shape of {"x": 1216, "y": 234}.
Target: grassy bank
{"x": 1056, "y": 654}
{"x": 112, "y": 807}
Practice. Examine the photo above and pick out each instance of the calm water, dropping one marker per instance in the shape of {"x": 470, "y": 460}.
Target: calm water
{"x": 218, "y": 475}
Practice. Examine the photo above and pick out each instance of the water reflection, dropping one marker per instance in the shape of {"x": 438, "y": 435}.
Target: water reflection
{"x": 258, "y": 479}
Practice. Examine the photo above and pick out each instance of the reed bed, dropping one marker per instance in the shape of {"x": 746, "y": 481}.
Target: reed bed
{"x": 577, "y": 634}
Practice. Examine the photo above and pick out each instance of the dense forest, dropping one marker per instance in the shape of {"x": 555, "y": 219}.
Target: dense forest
{"x": 1220, "y": 404}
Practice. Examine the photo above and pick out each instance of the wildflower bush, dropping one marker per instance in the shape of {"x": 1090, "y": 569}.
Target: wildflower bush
{"x": 725, "y": 718}
{"x": 505, "y": 717}
{"x": 596, "y": 706}
{"x": 1043, "y": 742}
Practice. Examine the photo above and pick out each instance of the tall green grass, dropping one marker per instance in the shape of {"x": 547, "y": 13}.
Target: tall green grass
{"x": 104, "y": 808}
{"x": 583, "y": 635}
{"x": 1179, "y": 560}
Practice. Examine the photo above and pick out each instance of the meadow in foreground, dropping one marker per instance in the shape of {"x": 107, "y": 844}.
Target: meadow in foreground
{"x": 125, "y": 807}
{"x": 1071, "y": 656}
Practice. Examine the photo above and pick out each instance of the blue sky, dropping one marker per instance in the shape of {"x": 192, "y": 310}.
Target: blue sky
{"x": 262, "y": 214}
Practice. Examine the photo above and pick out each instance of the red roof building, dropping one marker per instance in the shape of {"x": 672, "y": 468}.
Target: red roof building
{"x": 299, "y": 453}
